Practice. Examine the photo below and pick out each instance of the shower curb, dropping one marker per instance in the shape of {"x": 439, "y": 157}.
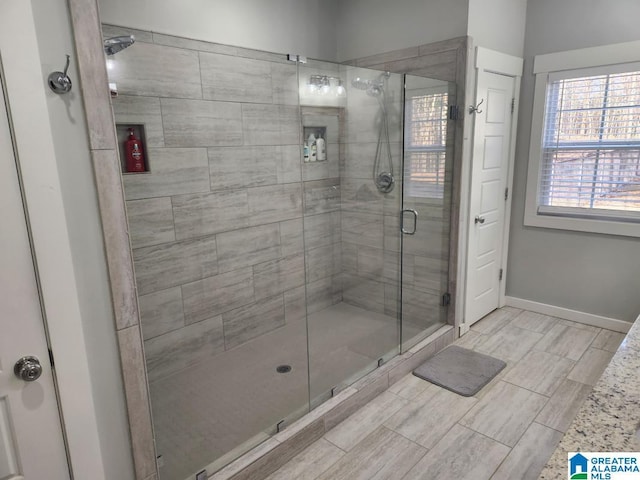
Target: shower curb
{"x": 266, "y": 458}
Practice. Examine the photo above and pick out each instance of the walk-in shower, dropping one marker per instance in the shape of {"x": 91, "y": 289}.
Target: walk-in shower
{"x": 268, "y": 279}
{"x": 383, "y": 179}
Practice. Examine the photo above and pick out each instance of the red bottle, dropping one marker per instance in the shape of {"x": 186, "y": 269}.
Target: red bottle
{"x": 134, "y": 153}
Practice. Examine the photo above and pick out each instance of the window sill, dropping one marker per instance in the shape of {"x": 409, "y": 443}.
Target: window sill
{"x": 605, "y": 227}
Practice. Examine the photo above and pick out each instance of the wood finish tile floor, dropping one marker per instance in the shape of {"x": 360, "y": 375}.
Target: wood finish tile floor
{"x": 416, "y": 430}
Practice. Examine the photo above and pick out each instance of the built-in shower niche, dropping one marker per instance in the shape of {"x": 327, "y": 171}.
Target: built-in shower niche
{"x": 311, "y": 134}
{"x": 122, "y": 132}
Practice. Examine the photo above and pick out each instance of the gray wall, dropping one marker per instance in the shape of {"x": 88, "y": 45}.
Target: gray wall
{"x": 305, "y": 27}
{"x": 68, "y": 125}
{"x": 368, "y": 27}
{"x": 498, "y": 24}
{"x": 597, "y": 274}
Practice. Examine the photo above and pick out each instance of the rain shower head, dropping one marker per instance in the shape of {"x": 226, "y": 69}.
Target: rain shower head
{"x": 361, "y": 83}
{"x": 114, "y": 45}
{"x": 373, "y": 88}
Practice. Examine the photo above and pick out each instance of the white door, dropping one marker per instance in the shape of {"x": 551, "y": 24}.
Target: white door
{"x": 489, "y": 176}
{"x": 31, "y": 441}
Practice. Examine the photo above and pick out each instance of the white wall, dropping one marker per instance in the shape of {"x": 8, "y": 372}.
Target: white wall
{"x": 498, "y": 24}
{"x": 367, "y": 27}
{"x": 83, "y": 223}
{"x": 597, "y": 274}
{"x": 305, "y": 27}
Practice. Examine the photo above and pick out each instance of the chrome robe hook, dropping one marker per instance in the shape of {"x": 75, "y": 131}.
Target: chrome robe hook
{"x": 60, "y": 82}
{"x": 476, "y": 109}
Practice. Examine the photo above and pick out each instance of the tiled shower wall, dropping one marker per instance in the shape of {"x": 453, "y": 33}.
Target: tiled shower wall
{"x": 371, "y": 242}
{"x": 217, "y": 224}
{"x": 370, "y": 228}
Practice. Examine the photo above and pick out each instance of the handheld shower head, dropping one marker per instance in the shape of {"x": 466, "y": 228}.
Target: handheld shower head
{"x": 114, "y": 45}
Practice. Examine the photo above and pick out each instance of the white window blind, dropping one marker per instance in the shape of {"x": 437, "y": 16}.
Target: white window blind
{"x": 591, "y": 147}
{"x": 425, "y": 144}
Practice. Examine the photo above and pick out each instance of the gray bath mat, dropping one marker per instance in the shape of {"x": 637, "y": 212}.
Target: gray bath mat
{"x": 460, "y": 370}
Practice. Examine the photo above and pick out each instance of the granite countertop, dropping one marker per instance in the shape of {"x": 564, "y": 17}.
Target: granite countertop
{"x": 610, "y": 417}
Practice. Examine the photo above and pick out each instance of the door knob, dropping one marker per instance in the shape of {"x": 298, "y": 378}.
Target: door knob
{"x": 28, "y": 369}
{"x": 479, "y": 219}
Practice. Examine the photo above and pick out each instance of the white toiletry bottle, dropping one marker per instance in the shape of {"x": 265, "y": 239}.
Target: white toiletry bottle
{"x": 306, "y": 153}
{"x": 321, "y": 149}
{"x": 312, "y": 148}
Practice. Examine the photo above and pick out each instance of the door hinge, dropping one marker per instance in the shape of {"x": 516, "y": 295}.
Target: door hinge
{"x": 51, "y": 358}
{"x": 506, "y": 193}
{"x": 513, "y": 105}
{"x": 446, "y": 299}
{"x": 454, "y": 112}
{"x": 500, "y": 274}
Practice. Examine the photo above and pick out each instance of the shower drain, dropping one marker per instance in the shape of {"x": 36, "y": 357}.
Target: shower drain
{"x": 283, "y": 368}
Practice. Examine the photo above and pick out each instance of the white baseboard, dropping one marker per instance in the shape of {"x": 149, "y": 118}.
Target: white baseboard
{"x": 568, "y": 314}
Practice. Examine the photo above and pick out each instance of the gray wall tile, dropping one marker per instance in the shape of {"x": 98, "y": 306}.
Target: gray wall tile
{"x": 285, "y": 84}
{"x": 322, "y": 196}
{"x": 321, "y": 230}
{"x": 161, "y": 312}
{"x": 169, "y": 265}
{"x": 361, "y": 195}
{"x": 242, "y": 167}
{"x": 248, "y": 246}
{"x": 295, "y": 306}
{"x": 291, "y": 237}
{"x": 289, "y": 164}
{"x": 245, "y": 323}
{"x": 145, "y": 110}
{"x": 174, "y": 351}
{"x": 271, "y": 124}
{"x": 324, "y": 293}
{"x": 362, "y": 229}
{"x": 277, "y": 276}
{"x": 215, "y": 295}
{"x": 274, "y": 203}
{"x": 173, "y": 171}
{"x": 150, "y": 221}
{"x": 262, "y": 55}
{"x": 323, "y": 262}
{"x": 179, "y": 42}
{"x": 154, "y": 70}
{"x": 235, "y": 79}
{"x": 209, "y": 213}
{"x": 370, "y": 262}
{"x": 201, "y": 123}
{"x": 364, "y": 293}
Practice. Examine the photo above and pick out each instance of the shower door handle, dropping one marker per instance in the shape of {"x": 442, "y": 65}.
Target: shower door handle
{"x": 415, "y": 221}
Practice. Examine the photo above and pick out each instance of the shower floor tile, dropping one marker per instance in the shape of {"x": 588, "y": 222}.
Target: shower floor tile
{"x": 490, "y": 441}
{"x": 204, "y": 412}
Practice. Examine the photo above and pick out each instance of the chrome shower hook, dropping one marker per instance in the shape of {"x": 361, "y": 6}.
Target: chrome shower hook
{"x": 476, "y": 109}
{"x": 60, "y": 82}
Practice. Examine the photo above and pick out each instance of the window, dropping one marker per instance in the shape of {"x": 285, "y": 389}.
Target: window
{"x": 591, "y": 146}
{"x": 425, "y": 143}
{"x": 584, "y": 162}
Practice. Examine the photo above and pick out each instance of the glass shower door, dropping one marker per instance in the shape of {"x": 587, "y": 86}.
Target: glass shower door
{"x": 426, "y": 206}
{"x": 352, "y": 138}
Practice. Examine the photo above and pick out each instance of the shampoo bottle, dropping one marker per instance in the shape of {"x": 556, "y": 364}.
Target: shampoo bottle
{"x": 313, "y": 148}
{"x": 134, "y": 153}
{"x": 321, "y": 149}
